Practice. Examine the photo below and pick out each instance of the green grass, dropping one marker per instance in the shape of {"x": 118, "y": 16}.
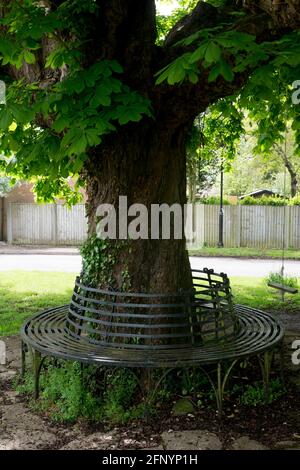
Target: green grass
{"x": 25, "y": 293}
{"x": 255, "y": 293}
{"x": 245, "y": 252}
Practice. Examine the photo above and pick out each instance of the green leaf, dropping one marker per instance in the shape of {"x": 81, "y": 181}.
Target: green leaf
{"x": 115, "y": 66}
{"x": 92, "y": 137}
{"x": 60, "y": 124}
{"x": 101, "y": 97}
{"x": 214, "y": 73}
{"x": 6, "y": 119}
{"x": 199, "y": 53}
{"x": 226, "y": 71}
{"x": 176, "y": 71}
{"x": 213, "y": 53}
{"x": 29, "y": 57}
{"x": 130, "y": 113}
{"x": 78, "y": 163}
{"x": 176, "y": 74}
{"x": 79, "y": 145}
{"x": 21, "y": 114}
{"x": 69, "y": 136}
{"x": 193, "y": 77}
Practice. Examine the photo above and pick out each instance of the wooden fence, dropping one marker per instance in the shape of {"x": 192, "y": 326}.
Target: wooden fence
{"x": 244, "y": 226}
{"x": 49, "y": 224}
{"x": 247, "y": 226}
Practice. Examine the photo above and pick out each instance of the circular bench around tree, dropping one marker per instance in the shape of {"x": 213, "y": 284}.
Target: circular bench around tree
{"x": 167, "y": 331}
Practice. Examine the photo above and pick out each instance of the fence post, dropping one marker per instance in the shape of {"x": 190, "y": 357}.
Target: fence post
{"x": 238, "y": 225}
{"x": 287, "y": 233}
{"x": 9, "y": 223}
{"x": 55, "y": 224}
{"x": 199, "y": 216}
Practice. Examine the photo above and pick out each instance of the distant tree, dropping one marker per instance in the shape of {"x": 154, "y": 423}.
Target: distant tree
{"x": 203, "y": 165}
{"x": 250, "y": 171}
{"x": 285, "y": 151}
{"x": 212, "y": 143}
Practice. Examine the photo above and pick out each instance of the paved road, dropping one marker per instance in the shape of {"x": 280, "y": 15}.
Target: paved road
{"x": 246, "y": 267}
{"x": 67, "y": 263}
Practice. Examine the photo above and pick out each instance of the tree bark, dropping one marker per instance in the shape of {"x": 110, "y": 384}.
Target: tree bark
{"x": 145, "y": 162}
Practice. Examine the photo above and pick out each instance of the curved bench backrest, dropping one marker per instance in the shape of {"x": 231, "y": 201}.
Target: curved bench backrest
{"x": 135, "y": 320}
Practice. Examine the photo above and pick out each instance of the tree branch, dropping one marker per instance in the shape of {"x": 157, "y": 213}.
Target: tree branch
{"x": 267, "y": 20}
{"x": 204, "y": 15}
{"x": 285, "y": 13}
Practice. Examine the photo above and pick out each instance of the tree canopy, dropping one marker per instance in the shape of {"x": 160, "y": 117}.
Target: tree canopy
{"x": 70, "y": 80}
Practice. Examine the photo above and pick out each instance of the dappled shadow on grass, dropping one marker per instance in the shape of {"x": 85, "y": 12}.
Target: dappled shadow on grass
{"x": 24, "y": 294}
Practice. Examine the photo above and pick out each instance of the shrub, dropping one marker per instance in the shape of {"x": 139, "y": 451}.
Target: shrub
{"x": 213, "y": 200}
{"x": 295, "y": 201}
{"x": 254, "y": 394}
{"x": 70, "y": 392}
{"x": 263, "y": 201}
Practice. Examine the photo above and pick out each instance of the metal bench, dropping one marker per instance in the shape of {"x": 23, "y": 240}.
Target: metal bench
{"x": 134, "y": 330}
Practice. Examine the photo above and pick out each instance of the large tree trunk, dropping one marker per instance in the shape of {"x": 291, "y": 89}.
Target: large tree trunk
{"x": 145, "y": 162}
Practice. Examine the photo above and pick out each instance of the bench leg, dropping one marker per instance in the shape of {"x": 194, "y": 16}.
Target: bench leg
{"x": 23, "y": 358}
{"x": 265, "y": 363}
{"x": 37, "y": 363}
{"x": 281, "y": 353}
{"x": 152, "y": 394}
{"x": 219, "y": 387}
{"x": 221, "y": 384}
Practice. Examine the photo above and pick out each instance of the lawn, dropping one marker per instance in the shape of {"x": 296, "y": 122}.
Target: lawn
{"x": 245, "y": 252}
{"x": 25, "y": 293}
{"x": 255, "y": 293}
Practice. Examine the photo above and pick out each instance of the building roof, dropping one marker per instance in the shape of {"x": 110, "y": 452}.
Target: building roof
{"x": 260, "y": 192}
